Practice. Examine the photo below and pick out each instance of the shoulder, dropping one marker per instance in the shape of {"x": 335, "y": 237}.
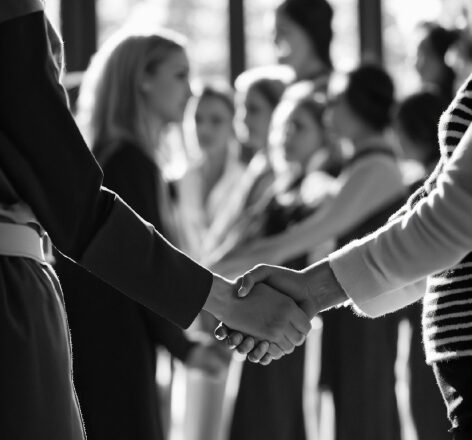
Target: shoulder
{"x": 10, "y": 9}
{"x": 376, "y": 162}
{"x": 128, "y": 156}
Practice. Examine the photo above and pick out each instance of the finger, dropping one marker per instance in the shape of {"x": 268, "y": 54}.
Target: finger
{"x": 295, "y": 337}
{"x": 300, "y": 320}
{"x": 221, "y": 332}
{"x": 259, "y": 352}
{"x": 246, "y": 346}
{"x": 234, "y": 339}
{"x": 275, "y": 351}
{"x": 285, "y": 344}
{"x": 251, "y": 277}
{"x": 266, "y": 360}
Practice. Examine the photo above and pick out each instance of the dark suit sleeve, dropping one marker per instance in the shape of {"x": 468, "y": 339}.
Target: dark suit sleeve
{"x": 131, "y": 174}
{"x": 46, "y": 160}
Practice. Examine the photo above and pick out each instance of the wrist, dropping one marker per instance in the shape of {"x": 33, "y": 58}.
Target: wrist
{"x": 217, "y": 300}
{"x": 323, "y": 289}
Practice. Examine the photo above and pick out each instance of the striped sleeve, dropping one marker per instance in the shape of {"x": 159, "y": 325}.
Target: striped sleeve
{"x": 434, "y": 236}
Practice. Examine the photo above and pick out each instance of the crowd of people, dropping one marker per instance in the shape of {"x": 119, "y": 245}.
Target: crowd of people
{"x": 278, "y": 169}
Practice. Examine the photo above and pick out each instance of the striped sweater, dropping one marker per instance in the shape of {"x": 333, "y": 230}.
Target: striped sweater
{"x": 447, "y": 305}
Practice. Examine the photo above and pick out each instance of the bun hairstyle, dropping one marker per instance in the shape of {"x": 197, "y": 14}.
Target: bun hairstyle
{"x": 314, "y": 17}
{"x": 439, "y": 38}
{"x": 370, "y": 93}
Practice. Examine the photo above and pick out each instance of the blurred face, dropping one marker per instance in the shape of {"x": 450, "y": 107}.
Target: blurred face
{"x": 167, "y": 90}
{"x": 427, "y": 65}
{"x": 459, "y": 61}
{"x": 256, "y": 117}
{"x": 301, "y": 136}
{"x": 214, "y": 123}
{"x": 410, "y": 149}
{"x": 340, "y": 119}
{"x": 293, "y": 46}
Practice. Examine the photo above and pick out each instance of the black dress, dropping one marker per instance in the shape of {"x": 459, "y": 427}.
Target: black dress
{"x": 269, "y": 404}
{"x": 358, "y": 357}
{"x": 114, "y": 338}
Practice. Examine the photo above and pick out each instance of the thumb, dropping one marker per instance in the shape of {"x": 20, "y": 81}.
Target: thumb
{"x": 221, "y": 332}
{"x": 252, "y": 277}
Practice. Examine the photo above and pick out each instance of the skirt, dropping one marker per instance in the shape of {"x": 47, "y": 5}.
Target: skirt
{"x": 37, "y": 393}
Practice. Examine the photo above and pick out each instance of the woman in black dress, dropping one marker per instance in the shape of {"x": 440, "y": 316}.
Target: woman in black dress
{"x": 269, "y": 403}
{"x": 138, "y": 86}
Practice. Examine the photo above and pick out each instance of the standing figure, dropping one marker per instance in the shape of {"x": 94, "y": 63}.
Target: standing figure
{"x": 430, "y": 59}
{"x": 138, "y": 86}
{"x": 269, "y": 403}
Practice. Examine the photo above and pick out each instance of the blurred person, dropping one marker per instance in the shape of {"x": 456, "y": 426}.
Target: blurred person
{"x": 431, "y": 58}
{"x": 269, "y": 403}
{"x": 139, "y": 86}
{"x": 358, "y": 356}
{"x": 258, "y": 92}
{"x": 416, "y": 125}
{"x": 303, "y": 34}
{"x": 459, "y": 57}
{"x": 206, "y": 187}
{"x": 303, "y": 37}
{"x": 220, "y": 168}
{"x": 429, "y": 239}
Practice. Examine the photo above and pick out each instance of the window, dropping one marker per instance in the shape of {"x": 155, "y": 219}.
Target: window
{"x": 203, "y": 22}
{"x": 53, "y": 10}
{"x": 399, "y": 34}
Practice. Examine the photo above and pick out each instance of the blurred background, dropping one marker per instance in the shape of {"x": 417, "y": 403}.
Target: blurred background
{"x": 226, "y": 37}
{"x": 224, "y": 40}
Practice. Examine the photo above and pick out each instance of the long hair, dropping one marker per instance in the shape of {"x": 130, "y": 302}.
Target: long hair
{"x": 111, "y": 107}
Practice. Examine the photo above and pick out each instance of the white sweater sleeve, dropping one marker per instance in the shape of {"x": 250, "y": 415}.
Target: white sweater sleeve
{"x": 10, "y": 9}
{"x": 435, "y": 235}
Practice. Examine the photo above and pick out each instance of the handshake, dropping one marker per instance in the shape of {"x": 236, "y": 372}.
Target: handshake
{"x": 266, "y": 313}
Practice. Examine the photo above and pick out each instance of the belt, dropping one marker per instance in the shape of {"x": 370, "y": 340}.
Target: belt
{"x": 21, "y": 241}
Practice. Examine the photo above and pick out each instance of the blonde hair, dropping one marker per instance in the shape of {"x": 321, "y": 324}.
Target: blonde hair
{"x": 111, "y": 107}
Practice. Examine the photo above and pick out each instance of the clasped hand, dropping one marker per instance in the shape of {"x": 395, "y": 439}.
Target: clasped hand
{"x": 274, "y": 320}
{"x": 290, "y": 323}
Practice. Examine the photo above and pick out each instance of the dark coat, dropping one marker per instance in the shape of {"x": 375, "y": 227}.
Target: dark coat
{"x": 114, "y": 339}
{"x": 48, "y": 163}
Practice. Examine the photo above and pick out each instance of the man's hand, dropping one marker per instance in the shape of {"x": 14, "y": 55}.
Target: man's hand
{"x": 314, "y": 289}
{"x": 266, "y": 315}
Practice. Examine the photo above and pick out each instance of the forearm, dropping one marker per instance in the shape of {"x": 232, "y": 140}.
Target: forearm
{"x": 133, "y": 257}
{"x": 303, "y": 237}
{"x": 323, "y": 291}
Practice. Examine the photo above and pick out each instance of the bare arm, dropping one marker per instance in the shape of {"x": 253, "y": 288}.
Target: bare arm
{"x": 367, "y": 188}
